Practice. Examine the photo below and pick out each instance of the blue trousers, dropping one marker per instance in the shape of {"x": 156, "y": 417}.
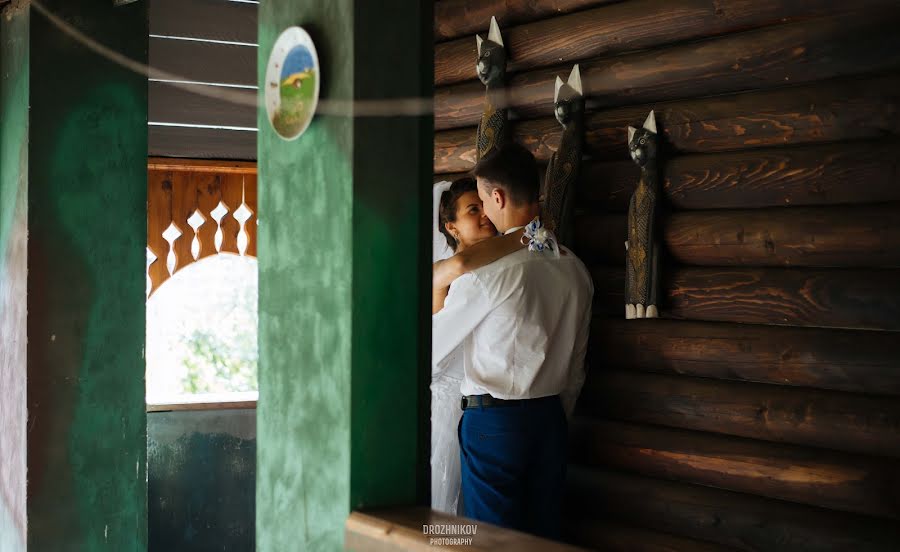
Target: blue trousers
{"x": 514, "y": 465}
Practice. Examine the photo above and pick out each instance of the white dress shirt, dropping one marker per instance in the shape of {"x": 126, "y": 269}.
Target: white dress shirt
{"x": 523, "y": 322}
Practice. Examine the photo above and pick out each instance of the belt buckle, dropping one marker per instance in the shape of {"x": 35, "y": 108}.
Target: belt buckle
{"x": 464, "y": 402}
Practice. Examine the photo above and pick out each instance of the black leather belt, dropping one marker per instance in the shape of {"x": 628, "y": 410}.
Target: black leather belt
{"x": 487, "y": 401}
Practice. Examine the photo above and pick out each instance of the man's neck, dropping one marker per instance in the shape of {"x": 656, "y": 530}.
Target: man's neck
{"x": 519, "y": 216}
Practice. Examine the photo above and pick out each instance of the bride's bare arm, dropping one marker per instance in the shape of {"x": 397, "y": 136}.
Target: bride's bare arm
{"x": 476, "y": 256}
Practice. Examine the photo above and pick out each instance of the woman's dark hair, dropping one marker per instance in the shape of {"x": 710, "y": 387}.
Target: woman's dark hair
{"x": 447, "y": 210}
{"x": 513, "y": 168}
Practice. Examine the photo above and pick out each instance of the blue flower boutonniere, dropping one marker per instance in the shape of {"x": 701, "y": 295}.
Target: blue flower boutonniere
{"x": 539, "y": 238}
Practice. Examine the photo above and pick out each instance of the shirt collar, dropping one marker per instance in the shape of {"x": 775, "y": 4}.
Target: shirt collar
{"x": 511, "y": 230}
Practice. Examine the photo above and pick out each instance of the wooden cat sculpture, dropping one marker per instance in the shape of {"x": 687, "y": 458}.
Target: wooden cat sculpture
{"x": 562, "y": 171}
{"x": 642, "y": 247}
{"x": 491, "y": 69}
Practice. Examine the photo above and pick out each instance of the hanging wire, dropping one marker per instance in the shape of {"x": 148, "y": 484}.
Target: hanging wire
{"x": 410, "y": 107}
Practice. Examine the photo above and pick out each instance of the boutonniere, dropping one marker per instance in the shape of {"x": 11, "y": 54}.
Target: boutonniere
{"x": 538, "y": 238}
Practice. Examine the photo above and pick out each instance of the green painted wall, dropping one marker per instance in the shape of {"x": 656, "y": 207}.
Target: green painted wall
{"x": 13, "y": 273}
{"x": 86, "y": 280}
{"x": 342, "y": 416}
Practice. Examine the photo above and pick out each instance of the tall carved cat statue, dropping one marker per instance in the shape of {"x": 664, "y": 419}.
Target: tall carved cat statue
{"x": 562, "y": 172}
{"x": 491, "y": 69}
{"x": 642, "y": 246}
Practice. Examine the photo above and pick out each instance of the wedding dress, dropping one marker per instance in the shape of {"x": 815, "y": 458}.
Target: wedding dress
{"x": 445, "y": 410}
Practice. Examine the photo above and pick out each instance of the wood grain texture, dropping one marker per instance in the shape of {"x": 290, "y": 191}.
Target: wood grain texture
{"x": 454, "y": 18}
{"x": 829, "y": 174}
{"x": 829, "y": 298}
{"x": 202, "y": 143}
{"x": 622, "y": 537}
{"x": 834, "y": 420}
{"x": 845, "y": 482}
{"x": 729, "y": 518}
{"x": 627, "y": 26}
{"x": 204, "y": 19}
{"x": 206, "y": 62}
{"x": 834, "y": 236}
{"x": 831, "y": 111}
{"x": 196, "y": 104}
{"x": 795, "y": 53}
{"x": 858, "y": 361}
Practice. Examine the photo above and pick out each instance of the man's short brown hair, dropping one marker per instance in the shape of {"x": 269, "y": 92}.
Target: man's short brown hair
{"x": 512, "y": 168}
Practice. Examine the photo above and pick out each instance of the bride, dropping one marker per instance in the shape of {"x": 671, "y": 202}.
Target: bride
{"x": 464, "y": 239}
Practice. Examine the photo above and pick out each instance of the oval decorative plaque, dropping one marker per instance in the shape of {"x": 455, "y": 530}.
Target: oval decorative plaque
{"x": 292, "y": 83}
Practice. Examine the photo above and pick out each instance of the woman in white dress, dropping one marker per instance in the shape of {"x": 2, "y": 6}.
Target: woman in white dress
{"x": 464, "y": 239}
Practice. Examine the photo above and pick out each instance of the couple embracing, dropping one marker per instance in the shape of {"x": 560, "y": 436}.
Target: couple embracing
{"x": 511, "y": 315}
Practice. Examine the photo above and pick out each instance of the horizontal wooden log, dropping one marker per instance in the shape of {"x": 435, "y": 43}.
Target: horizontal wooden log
{"x": 620, "y": 537}
{"x": 831, "y": 111}
{"x": 825, "y": 298}
{"x": 733, "y": 519}
{"x": 862, "y": 171}
{"x": 204, "y": 19}
{"x": 195, "y": 104}
{"x": 201, "y": 143}
{"x": 628, "y": 26}
{"x": 811, "y": 417}
{"x": 838, "y": 236}
{"x": 844, "y": 482}
{"x": 828, "y": 174}
{"x": 206, "y": 62}
{"x": 455, "y": 18}
{"x": 859, "y": 361}
{"x": 794, "y": 53}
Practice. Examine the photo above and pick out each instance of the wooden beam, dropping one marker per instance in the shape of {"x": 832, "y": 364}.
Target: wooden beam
{"x": 627, "y": 26}
{"x": 196, "y": 104}
{"x": 202, "y": 143}
{"x": 455, "y": 18}
{"x": 201, "y": 166}
{"x": 204, "y": 19}
{"x": 208, "y": 62}
{"x": 835, "y": 236}
{"x": 612, "y": 536}
{"x": 845, "y": 482}
{"x": 795, "y": 53}
{"x": 835, "y": 298}
{"x": 732, "y": 519}
{"x": 859, "y": 361}
{"x": 830, "y": 111}
{"x": 828, "y": 174}
{"x": 810, "y": 417}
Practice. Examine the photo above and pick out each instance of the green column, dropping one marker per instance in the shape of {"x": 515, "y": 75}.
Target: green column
{"x": 344, "y": 279}
{"x": 13, "y": 273}
{"x": 87, "y": 162}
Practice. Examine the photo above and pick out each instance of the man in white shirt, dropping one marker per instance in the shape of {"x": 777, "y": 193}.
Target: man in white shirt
{"x": 523, "y": 322}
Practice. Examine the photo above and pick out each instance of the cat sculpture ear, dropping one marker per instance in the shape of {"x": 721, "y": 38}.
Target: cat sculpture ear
{"x": 650, "y": 123}
{"x": 478, "y": 41}
{"x": 575, "y": 80}
{"x": 631, "y": 131}
{"x": 494, "y": 33}
{"x": 559, "y": 84}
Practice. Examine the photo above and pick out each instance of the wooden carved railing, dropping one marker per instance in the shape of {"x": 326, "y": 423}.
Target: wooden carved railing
{"x": 197, "y": 208}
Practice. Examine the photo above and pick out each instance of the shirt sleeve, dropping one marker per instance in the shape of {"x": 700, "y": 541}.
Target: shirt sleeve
{"x": 466, "y": 306}
{"x": 569, "y": 396}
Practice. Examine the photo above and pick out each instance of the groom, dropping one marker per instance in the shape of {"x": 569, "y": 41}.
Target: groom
{"x": 523, "y": 321}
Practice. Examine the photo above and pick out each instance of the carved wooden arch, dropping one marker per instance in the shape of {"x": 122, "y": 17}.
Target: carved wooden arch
{"x": 184, "y": 194}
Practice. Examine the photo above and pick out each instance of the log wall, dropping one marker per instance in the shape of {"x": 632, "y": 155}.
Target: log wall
{"x": 760, "y": 412}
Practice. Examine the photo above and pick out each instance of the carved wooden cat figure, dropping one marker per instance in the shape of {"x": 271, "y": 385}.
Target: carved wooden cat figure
{"x": 642, "y": 246}
{"x": 491, "y": 69}
{"x": 565, "y": 163}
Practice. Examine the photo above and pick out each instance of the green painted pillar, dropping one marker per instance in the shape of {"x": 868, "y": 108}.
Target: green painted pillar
{"x": 13, "y": 273}
{"x": 87, "y": 166}
{"x": 344, "y": 260}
